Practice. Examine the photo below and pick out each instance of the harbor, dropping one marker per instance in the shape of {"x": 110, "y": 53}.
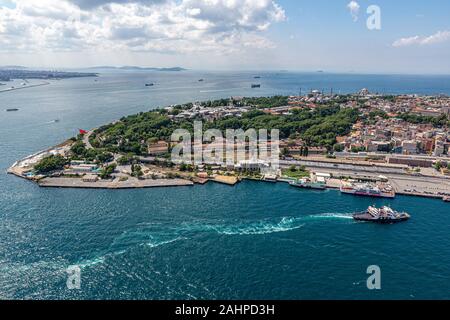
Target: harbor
{"x": 348, "y": 180}
{"x": 112, "y": 184}
{"x": 294, "y": 236}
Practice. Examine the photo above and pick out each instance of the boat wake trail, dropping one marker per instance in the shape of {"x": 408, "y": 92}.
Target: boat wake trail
{"x": 333, "y": 216}
{"x": 254, "y": 228}
{"x": 155, "y": 236}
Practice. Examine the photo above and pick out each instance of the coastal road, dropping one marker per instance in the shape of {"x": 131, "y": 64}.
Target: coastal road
{"x": 86, "y": 139}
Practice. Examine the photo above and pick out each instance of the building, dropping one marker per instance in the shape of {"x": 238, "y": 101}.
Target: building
{"x": 411, "y": 161}
{"x": 82, "y": 168}
{"x": 252, "y": 165}
{"x": 439, "y": 149}
{"x": 158, "y": 148}
{"x": 378, "y": 146}
{"x": 409, "y": 147}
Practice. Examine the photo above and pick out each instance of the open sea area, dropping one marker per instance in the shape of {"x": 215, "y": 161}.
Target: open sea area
{"x": 252, "y": 241}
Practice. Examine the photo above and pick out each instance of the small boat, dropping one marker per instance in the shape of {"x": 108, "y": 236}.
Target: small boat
{"x": 149, "y": 84}
{"x": 308, "y": 184}
{"x": 257, "y": 77}
{"x": 256, "y": 86}
{"x": 384, "y": 215}
{"x": 270, "y": 178}
{"x": 201, "y": 80}
{"x": 368, "y": 190}
{"x": 12, "y": 109}
{"x": 446, "y": 199}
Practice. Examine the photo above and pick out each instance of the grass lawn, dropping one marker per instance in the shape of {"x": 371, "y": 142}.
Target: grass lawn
{"x": 297, "y": 174}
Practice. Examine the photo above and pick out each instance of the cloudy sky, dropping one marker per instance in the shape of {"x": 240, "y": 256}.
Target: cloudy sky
{"x": 300, "y": 35}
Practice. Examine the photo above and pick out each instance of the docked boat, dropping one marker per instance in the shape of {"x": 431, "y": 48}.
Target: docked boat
{"x": 256, "y": 86}
{"x": 368, "y": 190}
{"x": 382, "y": 215}
{"x": 446, "y": 199}
{"x": 308, "y": 184}
{"x": 271, "y": 178}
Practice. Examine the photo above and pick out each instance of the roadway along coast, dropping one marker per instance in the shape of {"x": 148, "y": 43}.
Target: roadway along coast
{"x": 403, "y": 182}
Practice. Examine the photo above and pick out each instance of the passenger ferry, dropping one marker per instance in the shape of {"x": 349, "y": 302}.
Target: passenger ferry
{"x": 382, "y": 215}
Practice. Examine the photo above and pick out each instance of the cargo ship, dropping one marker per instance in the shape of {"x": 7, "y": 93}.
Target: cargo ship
{"x": 368, "y": 190}
{"x": 308, "y": 184}
{"x": 382, "y": 215}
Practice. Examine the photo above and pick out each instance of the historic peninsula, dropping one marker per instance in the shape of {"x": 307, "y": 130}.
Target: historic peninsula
{"x": 363, "y": 144}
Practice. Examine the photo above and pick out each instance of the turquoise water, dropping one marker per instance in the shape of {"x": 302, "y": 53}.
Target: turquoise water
{"x": 253, "y": 241}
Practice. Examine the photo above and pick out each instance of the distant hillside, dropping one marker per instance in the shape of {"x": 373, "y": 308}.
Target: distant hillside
{"x": 13, "y": 68}
{"x": 134, "y": 68}
{"x": 10, "y": 74}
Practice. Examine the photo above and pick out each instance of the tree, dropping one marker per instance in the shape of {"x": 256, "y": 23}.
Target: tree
{"x": 306, "y": 152}
{"x": 338, "y": 147}
{"x": 78, "y": 148}
{"x": 136, "y": 171}
{"x": 126, "y": 160}
{"x": 103, "y": 157}
{"x": 438, "y": 165}
{"x": 51, "y": 163}
{"x": 107, "y": 171}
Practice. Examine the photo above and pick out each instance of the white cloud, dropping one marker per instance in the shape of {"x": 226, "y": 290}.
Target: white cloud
{"x": 354, "y": 7}
{"x": 439, "y": 37}
{"x": 146, "y": 25}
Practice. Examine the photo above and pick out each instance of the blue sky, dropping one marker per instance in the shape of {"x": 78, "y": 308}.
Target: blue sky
{"x": 228, "y": 34}
{"x": 323, "y": 32}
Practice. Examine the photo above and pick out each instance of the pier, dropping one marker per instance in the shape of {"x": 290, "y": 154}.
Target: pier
{"x": 112, "y": 184}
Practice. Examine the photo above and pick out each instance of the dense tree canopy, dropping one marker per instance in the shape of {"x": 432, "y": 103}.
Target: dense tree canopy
{"x": 318, "y": 127}
{"x": 50, "y": 163}
{"x": 440, "y": 121}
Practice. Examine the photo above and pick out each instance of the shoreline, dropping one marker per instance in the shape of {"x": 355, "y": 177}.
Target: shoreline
{"x": 399, "y": 182}
{"x": 25, "y": 87}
